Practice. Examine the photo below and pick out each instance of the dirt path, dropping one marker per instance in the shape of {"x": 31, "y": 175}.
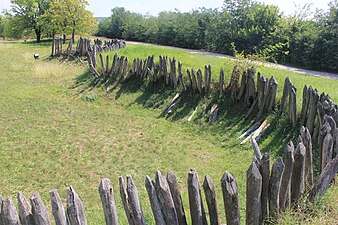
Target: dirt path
{"x": 333, "y": 76}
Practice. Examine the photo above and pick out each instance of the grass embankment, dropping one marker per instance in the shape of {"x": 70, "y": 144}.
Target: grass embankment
{"x": 53, "y": 136}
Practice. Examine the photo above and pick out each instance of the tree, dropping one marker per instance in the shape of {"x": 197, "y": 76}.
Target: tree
{"x": 71, "y": 16}
{"x": 29, "y": 15}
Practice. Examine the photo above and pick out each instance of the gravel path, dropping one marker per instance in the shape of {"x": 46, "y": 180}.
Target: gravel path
{"x": 333, "y": 76}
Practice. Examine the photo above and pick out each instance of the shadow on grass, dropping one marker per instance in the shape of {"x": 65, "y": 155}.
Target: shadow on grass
{"x": 43, "y": 43}
{"x": 230, "y": 119}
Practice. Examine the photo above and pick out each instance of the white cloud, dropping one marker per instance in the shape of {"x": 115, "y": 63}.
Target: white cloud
{"x": 4, "y": 4}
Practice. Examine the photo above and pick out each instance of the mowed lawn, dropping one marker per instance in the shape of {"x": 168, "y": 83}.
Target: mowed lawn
{"x": 53, "y": 137}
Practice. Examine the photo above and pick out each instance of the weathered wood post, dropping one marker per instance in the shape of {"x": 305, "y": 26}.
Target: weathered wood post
{"x": 305, "y": 105}
{"x": 165, "y": 199}
{"x": 324, "y": 180}
{"x": 210, "y": 196}
{"x": 180, "y": 75}
{"x": 103, "y": 69}
{"x": 199, "y": 81}
{"x": 275, "y": 182}
{"x": 230, "y": 198}
{"x": 125, "y": 201}
{"x": 194, "y": 80}
{"x": 272, "y": 92}
{"x": 312, "y": 109}
{"x": 39, "y": 210}
{"x": 285, "y": 97}
{"x": 233, "y": 85}
{"x": 253, "y": 196}
{"x": 176, "y": 195}
{"x": 293, "y": 105}
{"x": 58, "y": 209}
{"x": 195, "y": 199}
{"x": 264, "y": 169}
{"x": 262, "y": 90}
{"x": 250, "y": 93}
{"x": 154, "y": 202}
{"x": 25, "y": 210}
{"x": 221, "y": 83}
{"x": 134, "y": 202}
{"x": 297, "y": 180}
{"x": 8, "y": 212}
{"x": 75, "y": 208}
{"x": 108, "y": 201}
{"x": 325, "y": 145}
{"x": 306, "y": 138}
{"x": 113, "y": 66}
{"x": 242, "y": 88}
{"x": 285, "y": 187}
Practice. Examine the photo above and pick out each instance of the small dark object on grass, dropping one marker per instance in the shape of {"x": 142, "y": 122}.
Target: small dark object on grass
{"x": 36, "y": 56}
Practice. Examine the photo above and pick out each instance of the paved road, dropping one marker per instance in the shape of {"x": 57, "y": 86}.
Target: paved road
{"x": 333, "y": 76}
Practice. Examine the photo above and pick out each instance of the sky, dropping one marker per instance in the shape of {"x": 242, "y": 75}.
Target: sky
{"x": 102, "y": 8}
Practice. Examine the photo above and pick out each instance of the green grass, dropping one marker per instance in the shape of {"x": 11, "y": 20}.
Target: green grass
{"x": 57, "y": 131}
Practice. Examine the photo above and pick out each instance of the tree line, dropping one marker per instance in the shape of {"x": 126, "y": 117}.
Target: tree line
{"x": 46, "y": 18}
{"x": 241, "y": 27}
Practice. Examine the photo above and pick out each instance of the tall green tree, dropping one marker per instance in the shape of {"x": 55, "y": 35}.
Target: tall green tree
{"x": 71, "y": 16}
{"x": 29, "y": 15}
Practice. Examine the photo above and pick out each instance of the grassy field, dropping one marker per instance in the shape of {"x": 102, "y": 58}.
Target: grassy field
{"x": 57, "y": 131}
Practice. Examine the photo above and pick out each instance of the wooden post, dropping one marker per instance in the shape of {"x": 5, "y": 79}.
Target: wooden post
{"x": 195, "y": 199}
{"x": 209, "y": 80}
{"x": 194, "y": 80}
{"x": 173, "y": 72}
{"x": 190, "y": 81}
{"x": 176, "y": 195}
{"x": 210, "y": 196}
{"x": 58, "y": 208}
{"x": 125, "y": 201}
{"x": 326, "y": 149}
{"x": 39, "y": 210}
{"x": 242, "y": 89}
{"x": 275, "y": 182}
{"x": 134, "y": 202}
{"x": 113, "y": 66}
{"x": 293, "y": 105}
{"x": 165, "y": 70}
{"x": 107, "y": 65}
{"x": 75, "y": 208}
{"x": 273, "y": 85}
{"x": 285, "y": 187}
{"x": 285, "y": 97}
{"x": 221, "y": 83}
{"x": 154, "y": 202}
{"x": 262, "y": 90}
{"x": 180, "y": 74}
{"x": 233, "y": 85}
{"x": 312, "y": 111}
{"x": 8, "y": 212}
{"x": 264, "y": 169}
{"x": 165, "y": 199}
{"x": 305, "y": 105}
{"x": 250, "y": 94}
{"x": 102, "y": 65}
{"x": 324, "y": 180}
{"x": 306, "y": 138}
{"x": 199, "y": 81}
{"x": 230, "y": 198}
{"x": 25, "y": 210}
{"x": 297, "y": 179}
{"x": 253, "y": 196}
{"x": 108, "y": 201}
